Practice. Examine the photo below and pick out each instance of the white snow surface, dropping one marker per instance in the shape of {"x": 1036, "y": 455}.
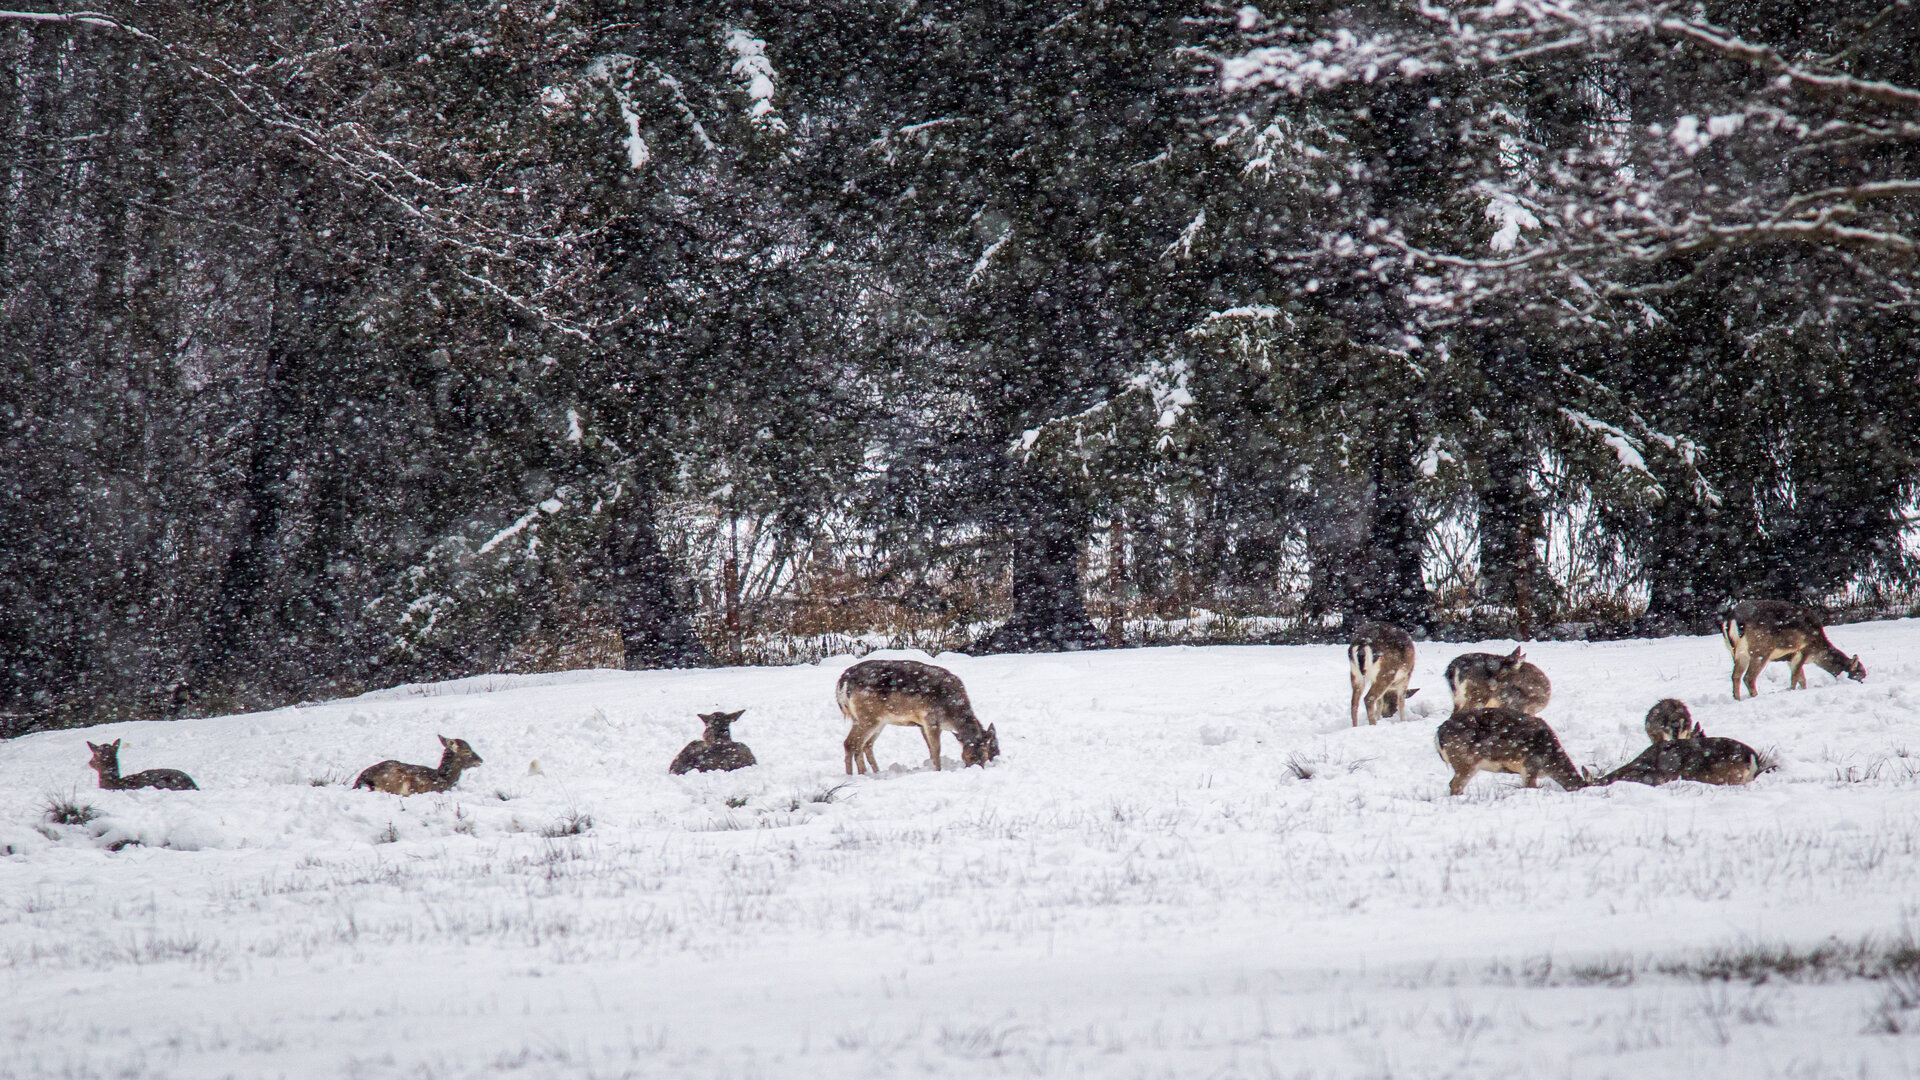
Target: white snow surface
{"x": 1140, "y": 887}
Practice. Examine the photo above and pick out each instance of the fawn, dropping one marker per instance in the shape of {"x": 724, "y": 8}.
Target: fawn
{"x": 714, "y": 751}
{"x": 1503, "y": 740}
{"x": 106, "y": 762}
{"x": 1487, "y": 681}
{"x": 1379, "y": 663}
{"x": 875, "y": 693}
{"x": 1759, "y": 631}
{"x": 1678, "y": 750}
{"x": 400, "y": 778}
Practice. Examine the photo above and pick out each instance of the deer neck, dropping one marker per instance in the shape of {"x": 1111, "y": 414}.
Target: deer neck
{"x": 964, "y": 725}
{"x": 1561, "y": 770}
{"x": 109, "y": 773}
{"x": 1823, "y": 655}
{"x": 450, "y": 768}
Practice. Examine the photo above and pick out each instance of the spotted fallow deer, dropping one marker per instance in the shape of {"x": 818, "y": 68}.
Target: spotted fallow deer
{"x": 1503, "y": 740}
{"x": 106, "y": 762}
{"x": 400, "y": 778}
{"x": 1379, "y": 663}
{"x": 714, "y": 751}
{"x": 875, "y": 693}
{"x": 1678, "y": 750}
{"x": 1759, "y": 631}
{"x": 1493, "y": 681}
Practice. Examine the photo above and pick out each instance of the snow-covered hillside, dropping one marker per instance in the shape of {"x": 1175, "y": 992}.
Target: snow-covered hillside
{"x": 1186, "y": 864}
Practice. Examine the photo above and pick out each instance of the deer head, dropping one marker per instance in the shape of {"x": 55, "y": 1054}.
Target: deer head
{"x": 981, "y": 750}
{"x": 106, "y": 755}
{"x": 720, "y": 725}
{"x": 457, "y": 752}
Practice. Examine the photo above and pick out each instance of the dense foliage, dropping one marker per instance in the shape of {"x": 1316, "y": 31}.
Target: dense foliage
{"x": 353, "y": 342}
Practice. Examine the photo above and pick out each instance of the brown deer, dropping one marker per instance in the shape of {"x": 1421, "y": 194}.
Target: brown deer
{"x": 1759, "y": 631}
{"x": 1680, "y": 751}
{"x": 714, "y": 751}
{"x": 875, "y": 693}
{"x": 1481, "y": 680}
{"x": 1379, "y": 663}
{"x": 1504, "y": 740}
{"x": 106, "y": 762}
{"x": 400, "y": 778}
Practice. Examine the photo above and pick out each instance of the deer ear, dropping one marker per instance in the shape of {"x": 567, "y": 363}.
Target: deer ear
{"x": 115, "y": 744}
{"x": 1517, "y": 654}
{"x": 90, "y": 746}
{"x": 443, "y": 740}
{"x": 735, "y": 715}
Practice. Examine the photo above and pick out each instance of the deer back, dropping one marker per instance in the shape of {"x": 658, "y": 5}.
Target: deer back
{"x": 1494, "y": 680}
{"x": 1524, "y": 687}
{"x": 1505, "y": 740}
{"x": 1380, "y": 652}
{"x": 1772, "y": 627}
{"x": 1703, "y": 760}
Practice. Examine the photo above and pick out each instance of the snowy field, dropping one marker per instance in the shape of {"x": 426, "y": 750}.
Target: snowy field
{"x": 1149, "y": 883}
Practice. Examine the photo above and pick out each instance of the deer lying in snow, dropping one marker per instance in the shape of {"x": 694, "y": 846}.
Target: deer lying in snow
{"x": 1759, "y": 631}
{"x": 106, "y": 762}
{"x": 400, "y": 778}
{"x": 875, "y": 693}
{"x": 1504, "y": 740}
{"x": 1379, "y": 663}
{"x": 714, "y": 751}
{"x": 1481, "y": 680}
{"x": 1678, "y": 750}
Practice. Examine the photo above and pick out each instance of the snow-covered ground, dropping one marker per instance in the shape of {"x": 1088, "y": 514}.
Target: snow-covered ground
{"x": 1143, "y": 886}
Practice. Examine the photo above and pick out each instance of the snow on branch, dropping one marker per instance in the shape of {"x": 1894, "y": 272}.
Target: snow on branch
{"x": 756, "y": 76}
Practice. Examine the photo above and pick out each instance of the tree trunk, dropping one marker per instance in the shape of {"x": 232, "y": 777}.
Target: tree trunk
{"x": 1393, "y": 589}
{"x": 654, "y": 628}
{"x": 1510, "y": 517}
{"x": 1336, "y": 528}
{"x": 1049, "y": 614}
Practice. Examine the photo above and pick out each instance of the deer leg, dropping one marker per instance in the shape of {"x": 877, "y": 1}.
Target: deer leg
{"x": 866, "y": 748}
{"x": 1460, "y": 778}
{"x": 856, "y": 741}
{"x": 1754, "y": 664}
{"x": 1799, "y": 679}
{"x": 1355, "y": 710}
{"x": 932, "y": 732}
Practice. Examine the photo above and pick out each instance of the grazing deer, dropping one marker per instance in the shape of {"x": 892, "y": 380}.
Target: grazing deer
{"x": 715, "y": 751}
{"x": 1481, "y": 680}
{"x": 875, "y": 693}
{"x": 400, "y": 778}
{"x": 1759, "y": 631}
{"x": 106, "y": 762}
{"x": 1503, "y": 740}
{"x": 1680, "y": 751}
{"x": 1379, "y": 663}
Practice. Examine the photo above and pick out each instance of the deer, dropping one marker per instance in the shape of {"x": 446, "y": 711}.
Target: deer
{"x": 106, "y": 762}
{"x": 715, "y": 751}
{"x": 1490, "y": 680}
{"x": 400, "y": 778}
{"x": 1503, "y": 740}
{"x": 875, "y": 693}
{"x": 1678, "y": 750}
{"x": 1760, "y": 631}
{"x": 1379, "y": 663}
